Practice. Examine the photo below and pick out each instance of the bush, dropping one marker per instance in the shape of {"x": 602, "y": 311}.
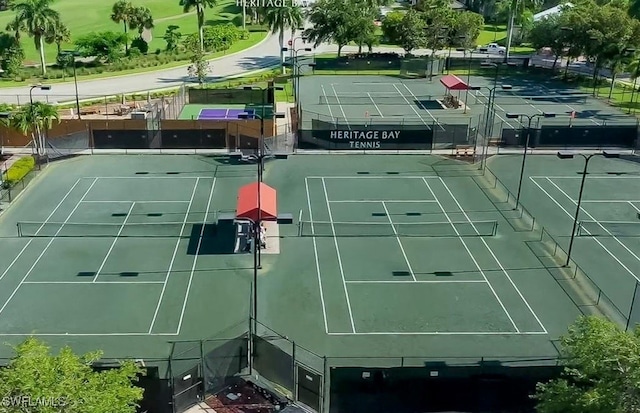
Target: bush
{"x": 19, "y": 170}
{"x": 140, "y": 45}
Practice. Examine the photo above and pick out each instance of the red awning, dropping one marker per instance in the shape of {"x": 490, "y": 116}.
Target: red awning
{"x": 453, "y": 82}
{"x": 248, "y": 203}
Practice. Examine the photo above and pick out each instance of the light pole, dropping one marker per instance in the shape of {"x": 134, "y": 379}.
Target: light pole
{"x": 526, "y": 143}
{"x": 71, "y": 55}
{"x": 587, "y": 158}
{"x": 294, "y": 64}
{"x": 466, "y": 96}
{"x": 296, "y": 81}
{"x": 36, "y": 142}
{"x": 5, "y": 118}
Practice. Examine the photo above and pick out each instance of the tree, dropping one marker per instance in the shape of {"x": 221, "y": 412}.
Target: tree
{"x": 58, "y": 35}
{"x": 516, "y": 9}
{"x": 199, "y": 5}
{"x": 391, "y": 26}
{"x": 11, "y": 55}
{"x": 34, "y": 119}
{"x": 121, "y": 13}
{"x": 466, "y": 29}
{"x": 140, "y": 19}
{"x": 633, "y": 68}
{"x": 279, "y": 19}
{"x": 548, "y": 32}
{"x": 601, "y": 373}
{"x": 69, "y": 380}
{"x": 172, "y": 36}
{"x": 332, "y": 21}
{"x": 103, "y": 45}
{"x": 412, "y": 33}
{"x": 37, "y": 18}
{"x": 199, "y": 67}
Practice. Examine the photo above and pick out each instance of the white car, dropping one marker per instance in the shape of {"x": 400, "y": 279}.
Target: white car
{"x": 493, "y": 48}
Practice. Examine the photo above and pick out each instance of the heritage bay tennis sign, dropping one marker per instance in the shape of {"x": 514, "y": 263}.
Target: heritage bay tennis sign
{"x": 360, "y": 139}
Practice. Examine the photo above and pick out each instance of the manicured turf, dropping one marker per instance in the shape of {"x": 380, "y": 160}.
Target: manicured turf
{"x": 82, "y": 20}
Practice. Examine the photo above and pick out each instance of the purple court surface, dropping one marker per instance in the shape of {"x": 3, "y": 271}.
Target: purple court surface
{"x": 223, "y": 113}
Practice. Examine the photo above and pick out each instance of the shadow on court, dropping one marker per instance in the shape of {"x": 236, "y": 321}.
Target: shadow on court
{"x": 214, "y": 239}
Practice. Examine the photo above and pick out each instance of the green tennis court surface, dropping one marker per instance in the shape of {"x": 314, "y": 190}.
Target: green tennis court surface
{"x": 392, "y": 259}
{"x": 607, "y": 243}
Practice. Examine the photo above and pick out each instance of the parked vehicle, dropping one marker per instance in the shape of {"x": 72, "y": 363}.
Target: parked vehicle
{"x": 493, "y": 48}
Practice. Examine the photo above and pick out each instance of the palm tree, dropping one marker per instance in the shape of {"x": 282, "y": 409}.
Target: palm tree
{"x": 35, "y": 118}
{"x": 199, "y": 5}
{"x": 37, "y": 18}
{"x": 59, "y": 35}
{"x": 15, "y": 26}
{"x": 634, "y": 73}
{"x": 141, "y": 19}
{"x": 517, "y": 10}
{"x": 282, "y": 18}
{"x": 121, "y": 13}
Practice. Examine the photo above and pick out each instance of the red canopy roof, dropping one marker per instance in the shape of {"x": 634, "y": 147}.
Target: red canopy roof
{"x": 248, "y": 202}
{"x": 453, "y": 82}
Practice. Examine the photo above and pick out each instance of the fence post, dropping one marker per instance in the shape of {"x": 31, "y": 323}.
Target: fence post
{"x": 294, "y": 370}
{"x": 326, "y": 387}
{"x": 202, "y": 369}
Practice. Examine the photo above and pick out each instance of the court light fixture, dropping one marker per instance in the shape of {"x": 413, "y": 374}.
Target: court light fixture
{"x": 279, "y": 115}
{"x": 44, "y": 87}
{"x": 506, "y": 87}
{"x": 5, "y": 115}
{"x": 565, "y": 155}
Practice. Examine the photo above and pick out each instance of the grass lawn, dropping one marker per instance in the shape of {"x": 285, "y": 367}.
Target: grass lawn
{"x": 492, "y": 34}
{"x": 82, "y": 18}
{"x": 254, "y": 38}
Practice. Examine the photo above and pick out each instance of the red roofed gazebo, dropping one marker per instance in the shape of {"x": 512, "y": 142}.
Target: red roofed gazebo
{"x": 453, "y": 82}
{"x": 257, "y": 201}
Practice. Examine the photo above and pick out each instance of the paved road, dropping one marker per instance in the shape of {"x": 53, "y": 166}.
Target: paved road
{"x": 260, "y": 56}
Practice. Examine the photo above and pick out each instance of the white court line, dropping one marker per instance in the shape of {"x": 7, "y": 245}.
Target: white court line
{"x": 195, "y": 258}
{"x": 579, "y": 177}
{"x": 593, "y": 238}
{"x": 623, "y": 245}
{"x": 90, "y": 282}
{"x": 113, "y": 243}
{"x": 173, "y": 257}
{"x": 315, "y": 252}
{"x": 570, "y": 107}
{"x": 418, "y": 282}
{"x": 504, "y": 271}
{"x": 340, "y": 105}
{"x": 633, "y": 206}
{"x": 324, "y": 93}
{"x": 464, "y": 244}
{"x": 393, "y": 201}
{"x": 374, "y": 177}
{"x": 137, "y": 202}
{"x": 404, "y": 254}
{"x": 494, "y": 104}
{"x": 606, "y": 201}
{"x": 374, "y": 104}
{"x": 414, "y": 109}
{"x": 420, "y": 104}
{"x": 84, "y": 334}
{"x": 442, "y": 333}
{"x": 39, "y": 229}
{"x": 500, "y": 117}
{"x": 44, "y": 250}
{"x": 335, "y": 241}
{"x": 147, "y": 177}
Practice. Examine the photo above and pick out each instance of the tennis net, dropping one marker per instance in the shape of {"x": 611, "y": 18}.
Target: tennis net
{"x": 106, "y": 230}
{"x": 608, "y": 229}
{"x": 396, "y": 99}
{"x": 481, "y": 99}
{"x": 383, "y": 229}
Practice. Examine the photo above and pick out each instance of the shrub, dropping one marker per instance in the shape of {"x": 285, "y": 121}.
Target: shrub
{"x": 139, "y": 44}
{"x": 19, "y": 170}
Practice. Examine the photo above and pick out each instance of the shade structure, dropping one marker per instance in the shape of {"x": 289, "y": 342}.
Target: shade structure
{"x": 248, "y": 202}
{"x": 453, "y": 82}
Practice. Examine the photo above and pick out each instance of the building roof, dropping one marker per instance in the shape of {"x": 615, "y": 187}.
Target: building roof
{"x": 550, "y": 12}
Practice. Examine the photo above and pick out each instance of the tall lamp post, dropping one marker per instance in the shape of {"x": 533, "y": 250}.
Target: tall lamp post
{"x": 294, "y": 64}
{"x": 4, "y": 116}
{"x": 256, "y": 224}
{"x": 36, "y": 142}
{"x": 464, "y": 51}
{"x": 71, "y": 55}
{"x": 587, "y": 158}
{"x": 526, "y": 143}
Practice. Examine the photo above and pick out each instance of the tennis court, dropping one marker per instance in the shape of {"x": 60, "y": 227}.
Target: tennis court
{"x": 390, "y": 260}
{"x": 109, "y": 256}
{"x": 225, "y": 112}
{"x": 607, "y": 243}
